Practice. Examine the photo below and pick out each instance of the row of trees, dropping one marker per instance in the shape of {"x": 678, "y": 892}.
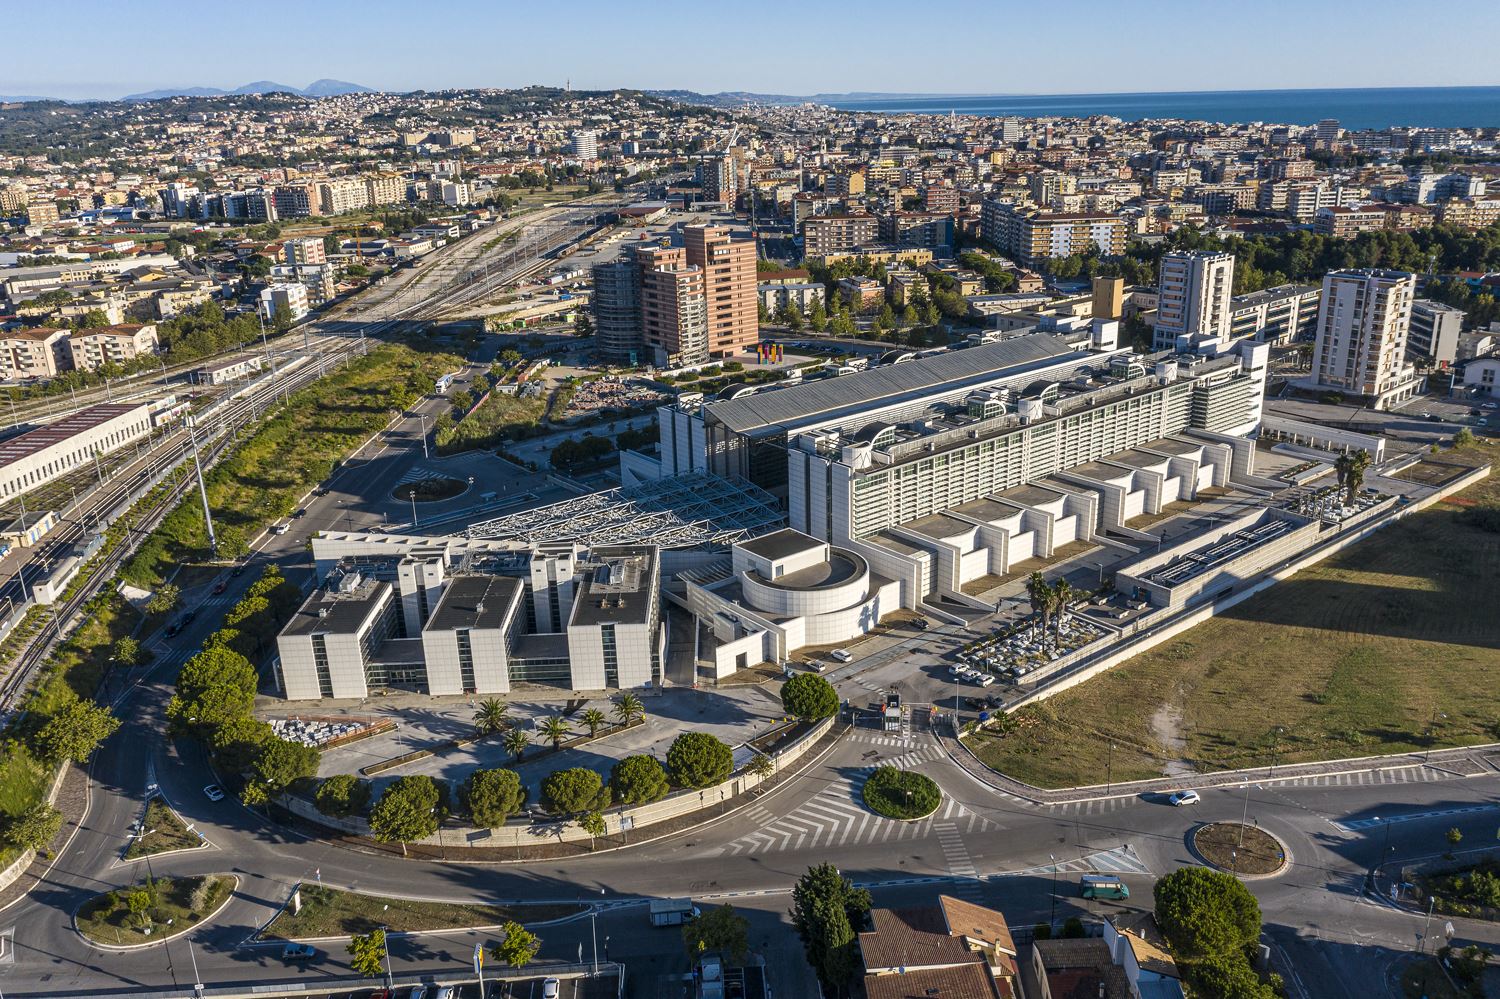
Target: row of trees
{"x": 516, "y": 948}
{"x": 215, "y": 697}
{"x": 1049, "y": 600}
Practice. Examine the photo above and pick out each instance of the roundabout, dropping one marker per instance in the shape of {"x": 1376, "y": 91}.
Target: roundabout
{"x": 434, "y": 489}
{"x": 1244, "y": 850}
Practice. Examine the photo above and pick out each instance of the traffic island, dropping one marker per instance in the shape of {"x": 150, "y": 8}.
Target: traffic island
{"x": 153, "y": 911}
{"x": 430, "y": 490}
{"x": 901, "y": 794}
{"x": 321, "y": 911}
{"x": 161, "y": 831}
{"x": 1244, "y": 850}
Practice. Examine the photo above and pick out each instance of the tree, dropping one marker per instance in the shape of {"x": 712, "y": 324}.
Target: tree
{"x": 34, "y": 828}
{"x": 628, "y": 707}
{"x": 638, "y": 780}
{"x": 1359, "y": 463}
{"x": 236, "y": 743}
{"x": 817, "y": 316}
{"x": 721, "y": 930}
{"x": 517, "y": 947}
{"x": 164, "y": 599}
{"x": 593, "y": 824}
{"x": 408, "y": 810}
{"x": 1228, "y": 977}
{"x": 515, "y": 743}
{"x": 1454, "y": 837}
{"x": 215, "y": 666}
{"x": 490, "y": 717}
{"x": 231, "y": 542}
{"x": 575, "y": 790}
{"x": 367, "y": 953}
{"x": 809, "y": 697}
{"x": 698, "y": 760}
{"x": 1061, "y": 595}
{"x": 1040, "y": 594}
{"x": 492, "y": 796}
{"x": 593, "y": 719}
{"x": 1206, "y": 914}
{"x": 203, "y": 712}
{"x": 826, "y": 910}
{"x": 1463, "y": 438}
{"x": 282, "y": 761}
{"x": 761, "y": 766}
{"x": 140, "y": 902}
{"x": 74, "y": 731}
{"x": 126, "y": 651}
{"x": 554, "y": 728}
{"x": 342, "y": 795}
{"x": 583, "y": 326}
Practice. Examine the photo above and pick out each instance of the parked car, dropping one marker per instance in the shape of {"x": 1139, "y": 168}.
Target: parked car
{"x": 984, "y": 679}
{"x": 213, "y": 792}
{"x": 220, "y": 586}
{"x": 842, "y": 655}
{"x": 1180, "y": 798}
{"x": 300, "y": 512}
{"x": 550, "y": 988}
{"x": 298, "y": 952}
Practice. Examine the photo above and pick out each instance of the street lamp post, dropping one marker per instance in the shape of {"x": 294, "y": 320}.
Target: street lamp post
{"x": 1052, "y": 920}
{"x": 390, "y": 981}
{"x": 1109, "y": 769}
{"x": 1431, "y": 727}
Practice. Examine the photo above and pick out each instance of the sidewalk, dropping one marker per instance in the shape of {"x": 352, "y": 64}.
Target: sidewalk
{"x": 1468, "y": 761}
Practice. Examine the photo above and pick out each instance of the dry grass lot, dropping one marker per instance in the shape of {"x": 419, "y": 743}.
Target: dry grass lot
{"x": 1391, "y": 646}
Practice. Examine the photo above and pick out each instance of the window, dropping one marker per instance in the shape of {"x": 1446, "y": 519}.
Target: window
{"x": 320, "y": 666}
{"x": 465, "y": 661}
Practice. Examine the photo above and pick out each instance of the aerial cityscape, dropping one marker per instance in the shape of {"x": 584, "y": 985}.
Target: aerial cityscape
{"x": 723, "y": 527}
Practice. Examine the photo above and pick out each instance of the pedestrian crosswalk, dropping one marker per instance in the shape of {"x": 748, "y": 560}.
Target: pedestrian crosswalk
{"x": 417, "y": 473}
{"x": 1418, "y": 773}
{"x": 1354, "y": 825}
{"x": 1092, "y": 806}
{"x": 960, "y": 865}
{"x": 1121, "y": 860}
{"x": 837, "y": 817}
{"x": 892, "y": 739}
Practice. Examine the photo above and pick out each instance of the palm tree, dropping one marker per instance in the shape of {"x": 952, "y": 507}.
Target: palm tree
{"x": 1062, "y": 593}
{"x": 1040, "y": 593}
{"x": 1359, "y": 462}
{"x": 554, "y": 728}
{"x": 515, "y": 743}
{"x": 628, "y": 708}
{"x": 594, "y": 720}
{"x": 490, "y": 717}
{"x": 1343, "y": 466}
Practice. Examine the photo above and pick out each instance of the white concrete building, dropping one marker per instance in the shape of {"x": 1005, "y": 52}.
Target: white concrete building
{"x": 1193, "y": 296}
{"x": 585, "y": 145}
{"x": 41, "y": 455}
{"x": 91, "y": 349}
{"x": 1363, "y": 323}
{"x": 1435, "y": 329}
{"x": 291, "y": 297}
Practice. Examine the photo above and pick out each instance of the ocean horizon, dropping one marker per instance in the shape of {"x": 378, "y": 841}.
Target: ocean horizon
{"x": 1355, "y": 108}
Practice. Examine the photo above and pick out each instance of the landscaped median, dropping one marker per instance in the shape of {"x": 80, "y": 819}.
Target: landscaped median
{"x": 332, "y": 912}
{"x": 901, "y": 794}
{"x": 162, "y": 831}
{"x": 153, "y": 911}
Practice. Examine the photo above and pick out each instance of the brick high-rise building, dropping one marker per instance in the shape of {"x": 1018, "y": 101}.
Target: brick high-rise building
{"x": 674, "y": 310}
{"x": 728, "y": 267}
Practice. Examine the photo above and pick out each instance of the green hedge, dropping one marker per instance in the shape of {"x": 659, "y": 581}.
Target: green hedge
{"x": 901, "y": 794}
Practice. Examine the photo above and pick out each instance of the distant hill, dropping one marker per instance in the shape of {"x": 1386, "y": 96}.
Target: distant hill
{"x": 318, "y": 88}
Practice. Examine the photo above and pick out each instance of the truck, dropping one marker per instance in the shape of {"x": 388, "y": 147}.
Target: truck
{"x": 672, "y": 911}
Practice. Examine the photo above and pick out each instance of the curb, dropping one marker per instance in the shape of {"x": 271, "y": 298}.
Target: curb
{"x": 1286, "y": 855}
{"x": 207, "y": 918}
{"x": 255, "y": 939}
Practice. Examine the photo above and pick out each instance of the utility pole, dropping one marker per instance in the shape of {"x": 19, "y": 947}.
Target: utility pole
{"x": 208, "y": 518}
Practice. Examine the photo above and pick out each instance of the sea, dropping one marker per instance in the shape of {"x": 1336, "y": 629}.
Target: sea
{"x": 1372, "y": 108}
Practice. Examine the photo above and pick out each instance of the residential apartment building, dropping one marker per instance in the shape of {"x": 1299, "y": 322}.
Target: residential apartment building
{"x": 304, "y": 251}
{"x": 585, "y": 145}
{"x": 674, "y": 309}
{"x": 338, "y": 196}
{"x": 285, "y": 296}
{"x": 1028, "y": 236}
{"x": 616, "y": 307}
{"x": 296, "y": 201}
{"x": 925, "y": 229}
{"x": 1193, "y": 296}
{"x": 385, "y": 189}
{"x": 1435, "y": 329}
{"x": 940, "y": 199}
{"x": 776, "y": 297}
{"x": 823, "y": 235}
{"x": 91, "y": 349}
{"x": 1363, "y": 324}
{"x": 34, "y": 353}
{"x": 727, "y": 263}
{"x": 1278, "y": 316}
{"x": 1345, "y": 223}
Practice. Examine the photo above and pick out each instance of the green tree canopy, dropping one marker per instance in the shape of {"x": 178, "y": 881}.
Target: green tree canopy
{"x": 74, "y": 731}
{"x": 720, "y": 930}
{"x": 492, "y": 796}
{"x": 408, "y": 810}
{"x": 638, "y": 780}
{"x": 517, "y": 946}
{"x": 343, "y": 795}
{"x": 164, "y": 599}
{"x": 697, "y": 759}
{"x": 809, "y": 697}
{"x": 1206, "y": 914}
{"x": 575, "y": 790}
{"x": 34, "y": 828}
{"x": 367, "y": 953}
{"x": 827, "y": 911}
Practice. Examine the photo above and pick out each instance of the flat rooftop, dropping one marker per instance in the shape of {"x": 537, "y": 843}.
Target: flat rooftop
{"x": 617, "y": 586}
{"x": 336, "y": 611}
{"x": 841, "y": 567}
{"x": 478, "y": 601}
{"x": 38, "y": 440}
{"x": 1030, "y": 494}
{"x": 938, "y": 526}
{"x": 1136, "y": 459}
{"x": 783, "y": 410}
{"x": 780, "y": 544}
{"x": 1170, "y": 445}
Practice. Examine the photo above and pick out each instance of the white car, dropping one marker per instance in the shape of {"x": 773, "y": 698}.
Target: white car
{"x": 550, "y": 987}
{"x": 1180, "y": 798}
{"x": 842, "y": 655}
{"x": 984, "y": 679}
{"x": 213, "y": 792}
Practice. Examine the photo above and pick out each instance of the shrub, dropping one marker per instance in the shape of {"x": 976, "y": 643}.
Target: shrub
{"x": 809, "y": 697}
{"x": 698, "y": 760}
{"x": 342, "y": 795}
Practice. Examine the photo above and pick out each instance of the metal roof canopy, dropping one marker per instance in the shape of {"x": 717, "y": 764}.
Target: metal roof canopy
{"x": 683, "y": 511}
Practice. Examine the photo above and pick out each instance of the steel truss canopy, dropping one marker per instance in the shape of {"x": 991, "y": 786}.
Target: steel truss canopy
{"x": 684, "y": 511}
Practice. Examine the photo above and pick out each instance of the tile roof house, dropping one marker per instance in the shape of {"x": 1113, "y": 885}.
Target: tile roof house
{"x": 951, "y": 950}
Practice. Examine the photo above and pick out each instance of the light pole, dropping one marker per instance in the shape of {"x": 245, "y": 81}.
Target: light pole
{"x": 385, "y": 939}
{"x": 1431, "y": 727}
{"x": 1052, "y": 920}
{"x": 1422, "y": 946}
{"x": 208, "y": 518}
{"x": 1109, "y": 769}
{"x": 1276, "y": 734}
{"x": 423, "y": 418}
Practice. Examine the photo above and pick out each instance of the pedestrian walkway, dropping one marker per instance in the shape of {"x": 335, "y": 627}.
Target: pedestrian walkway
{"x": 1121, "y": 860}
{"x": 890, "y": 739}
{"x": 960, "y": 865}
{"x": 837, "y": 817}
{"x": 1374, "y": 821}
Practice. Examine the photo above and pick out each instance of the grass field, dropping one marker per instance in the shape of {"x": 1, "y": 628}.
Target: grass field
{"x": 1380, "y": 649}
{"x": 289, "y": 452}
{"x": 329, "y": 912}
{"x": 500, "y": 417}
{"x": 165, "y": 831}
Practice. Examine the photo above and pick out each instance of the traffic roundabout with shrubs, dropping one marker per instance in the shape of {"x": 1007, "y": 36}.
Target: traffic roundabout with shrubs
{"x": 901, "y": 794}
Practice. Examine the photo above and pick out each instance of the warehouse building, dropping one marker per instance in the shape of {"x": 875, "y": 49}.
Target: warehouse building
{"x": 41, "y": 455}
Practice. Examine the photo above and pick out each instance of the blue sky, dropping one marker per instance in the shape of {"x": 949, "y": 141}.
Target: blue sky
{"x": 106, "y": 48}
